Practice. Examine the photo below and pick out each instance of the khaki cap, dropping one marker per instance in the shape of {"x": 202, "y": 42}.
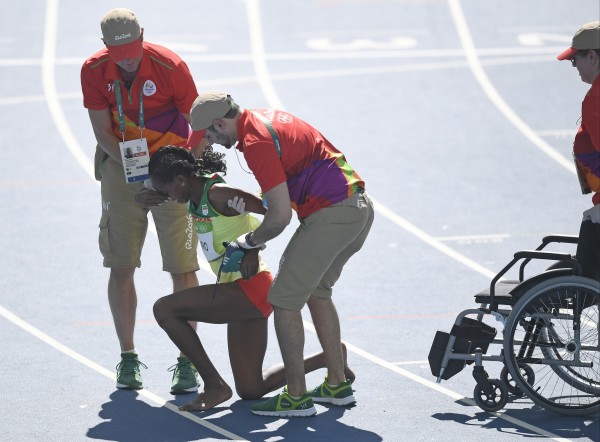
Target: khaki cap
{"x": 208, "y": 107}
{"x": 119, "y": 27}
{"x": 587, "y": 37}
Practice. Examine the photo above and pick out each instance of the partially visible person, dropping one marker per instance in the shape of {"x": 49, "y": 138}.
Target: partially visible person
{"x": 297, "y": 169}
{"x": 584, "y": 54}
{"x": 221, "y": 214}
{"x": 138, "y": 95}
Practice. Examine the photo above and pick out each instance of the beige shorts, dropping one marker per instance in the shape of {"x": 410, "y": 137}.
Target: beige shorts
{"x": 315, "y": 256}
{"x": 124, "y": 224}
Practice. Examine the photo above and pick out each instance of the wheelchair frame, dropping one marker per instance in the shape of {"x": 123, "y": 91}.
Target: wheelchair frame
{"x": 550, "y": 344}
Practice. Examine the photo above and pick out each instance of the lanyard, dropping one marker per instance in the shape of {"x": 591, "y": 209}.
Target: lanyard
{"x": 271, "y": 130}
{"x": 122, "y": 114}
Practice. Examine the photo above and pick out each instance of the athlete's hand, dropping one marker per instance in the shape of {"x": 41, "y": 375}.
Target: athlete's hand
{"x": 249, "y": 264}
{"x": 592, "y": 214}
{"x": 150, "y": 198}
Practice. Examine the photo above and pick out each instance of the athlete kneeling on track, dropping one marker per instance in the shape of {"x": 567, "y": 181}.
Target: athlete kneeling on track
{"x": 221, "y": 214}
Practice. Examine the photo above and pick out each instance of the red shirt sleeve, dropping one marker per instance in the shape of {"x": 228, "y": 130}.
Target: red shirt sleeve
{"x": 93, "y": 98}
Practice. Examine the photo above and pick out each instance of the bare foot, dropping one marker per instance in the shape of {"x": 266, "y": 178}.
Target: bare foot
{"x": 209, "y": 398}
{"x": 350, "y": 376}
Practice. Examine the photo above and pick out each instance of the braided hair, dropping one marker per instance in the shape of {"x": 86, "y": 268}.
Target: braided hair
{"x": 170, "y": 161}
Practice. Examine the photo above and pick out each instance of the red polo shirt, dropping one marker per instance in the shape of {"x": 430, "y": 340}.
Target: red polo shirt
{"x": 167, "y": 91}
{"x": 317, "y": 174}
{"x": 587, "y": 141}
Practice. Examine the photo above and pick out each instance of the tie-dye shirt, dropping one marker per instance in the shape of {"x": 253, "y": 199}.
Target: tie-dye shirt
{"x": 168, "y": 92}
{"x": 317, "y": 174}
{"x": 587, "y": 141}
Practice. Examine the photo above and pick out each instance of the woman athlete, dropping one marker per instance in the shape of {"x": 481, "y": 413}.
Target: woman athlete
{"x": 240, "y": 300}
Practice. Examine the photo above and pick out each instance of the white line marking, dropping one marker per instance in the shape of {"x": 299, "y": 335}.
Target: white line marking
{"x": 109, "y": 374}
{"x": 270, "y": 93}
{"x": 285, "y": 56}
{"x": 483, "y": 237}
{"x": 258, "y": 54}
{"x": 487, "y": 86}
{"x": 436, "y": 244}
{"x": 50, "y": 92}
{"x": 410, "y": 362}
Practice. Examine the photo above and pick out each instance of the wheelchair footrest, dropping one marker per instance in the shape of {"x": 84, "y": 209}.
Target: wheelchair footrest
{"x": 438, "y": 350}
{"x": 478, "y": 333}
{"x": 470, "y": 334}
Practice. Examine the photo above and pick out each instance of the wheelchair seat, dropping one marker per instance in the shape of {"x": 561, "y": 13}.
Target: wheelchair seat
{"x": 508, "y": 292}
{"x": 502, "y": 293}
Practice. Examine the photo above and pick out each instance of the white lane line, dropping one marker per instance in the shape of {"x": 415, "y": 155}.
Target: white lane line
{"x": 487, "y": 86}
{"x": 254, "y": 24}
{"x": 493, "y": 237}
{"x": 258, "y": 54}
{"x": 287, "y": 56}
{"x": 436, "y": 244}
{"x": 109, "y": 374}
{"x": 50, "y": 92}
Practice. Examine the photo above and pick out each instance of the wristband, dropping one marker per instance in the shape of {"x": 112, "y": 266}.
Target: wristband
{"x": 250, "y": 243}
{"x": 245, "y": 242}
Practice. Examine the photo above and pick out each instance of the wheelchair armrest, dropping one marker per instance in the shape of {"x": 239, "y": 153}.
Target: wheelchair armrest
{"x": 569, "y": 239}
{"x": 538, "y": 254}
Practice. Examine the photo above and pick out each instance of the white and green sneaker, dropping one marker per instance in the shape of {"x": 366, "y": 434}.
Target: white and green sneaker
{"x": 283, "y": 405}
{"x": 185, "y": 377}
{"x": 128, "y": 372}
{"x": 338, "y": 395}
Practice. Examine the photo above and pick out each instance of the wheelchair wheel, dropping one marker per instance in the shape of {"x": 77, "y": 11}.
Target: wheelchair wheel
{"x": 511, "y": 385}
{"x": 553, "y": 329}
{"x": 494, "y": 401}
{"x": 580, "y": 379}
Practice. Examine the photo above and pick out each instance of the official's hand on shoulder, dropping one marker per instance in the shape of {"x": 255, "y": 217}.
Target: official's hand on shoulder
{"x": 150, "y": 198}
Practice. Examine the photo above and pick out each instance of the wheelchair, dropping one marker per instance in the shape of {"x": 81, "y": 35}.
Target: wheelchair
{"x": 549, "y": 345}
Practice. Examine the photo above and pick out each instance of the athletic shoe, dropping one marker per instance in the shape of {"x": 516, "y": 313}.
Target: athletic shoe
{"x": 283, "y": 405}
{"x": 340, "y": 395}
{"x": 185, "y": 377}
{"x": 128, "y": 372}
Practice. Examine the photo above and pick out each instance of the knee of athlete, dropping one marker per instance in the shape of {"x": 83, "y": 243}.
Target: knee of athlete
{"x": 161, "y": 311}
{"x": 248, "y": 392}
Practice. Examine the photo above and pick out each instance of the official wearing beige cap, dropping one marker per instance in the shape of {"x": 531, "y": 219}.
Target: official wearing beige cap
{"x": 584, "y": 55}
{"x": 587, "y": 37}
{"x": 122, "y": 34}
{"x": 208, "y": 107}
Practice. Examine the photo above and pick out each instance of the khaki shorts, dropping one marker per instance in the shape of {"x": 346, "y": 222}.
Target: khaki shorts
{"x": 124, "y": 224}
{"x": 315, "y": 256}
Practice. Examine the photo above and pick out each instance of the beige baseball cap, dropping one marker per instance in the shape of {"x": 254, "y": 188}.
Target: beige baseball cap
{"x": 121, "y": 33}
{"x": 208, "y": 107}
{"x": 587, "y": 37}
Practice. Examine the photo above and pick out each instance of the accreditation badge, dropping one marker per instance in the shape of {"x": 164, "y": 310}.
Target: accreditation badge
{"x": 135, "y": 157}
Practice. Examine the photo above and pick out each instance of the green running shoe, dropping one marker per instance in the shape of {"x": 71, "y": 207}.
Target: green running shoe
{"x": 128, "y": 372}
{"x": 185, "y": 377}
{"x": 283, "y": 405}
{"x": 340, "y": 395}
